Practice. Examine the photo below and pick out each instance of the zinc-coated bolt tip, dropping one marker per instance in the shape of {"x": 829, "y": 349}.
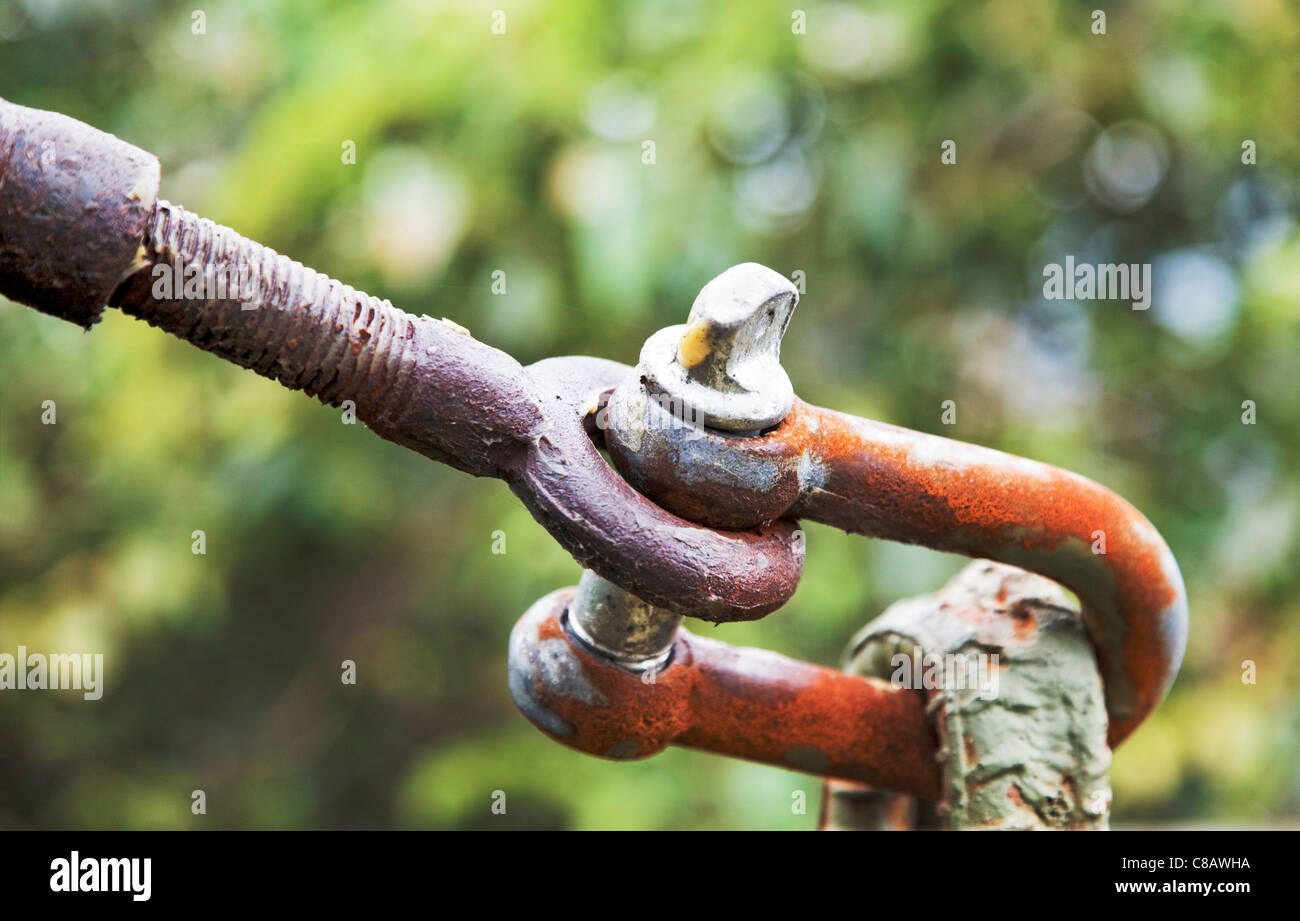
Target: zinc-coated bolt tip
{"x": 724, "y": 365}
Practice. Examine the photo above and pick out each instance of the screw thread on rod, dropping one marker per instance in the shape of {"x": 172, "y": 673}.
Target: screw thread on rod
{"x": 268, "y": 313}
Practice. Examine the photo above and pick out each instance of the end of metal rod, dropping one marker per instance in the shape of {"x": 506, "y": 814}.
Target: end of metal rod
{"x": 74, "y": 206}
{"x": 702, "y": 395}
{"x": 724, "y": 366}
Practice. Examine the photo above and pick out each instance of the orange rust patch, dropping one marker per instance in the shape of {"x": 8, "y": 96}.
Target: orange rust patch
{"x": 751, "y": 704}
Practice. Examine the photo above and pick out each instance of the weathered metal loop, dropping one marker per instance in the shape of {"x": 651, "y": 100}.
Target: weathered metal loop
{"x": 430, "y": 386}
{"x": 871, "y": 478}
{"x": 743, "y": 703}
{"x": 982, "y": 699}
{"x": 883, "y": 481}
{"x": 422, "y": 383}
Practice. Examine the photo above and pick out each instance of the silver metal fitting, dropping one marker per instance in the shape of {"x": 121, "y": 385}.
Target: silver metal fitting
{"x": 635, "y": 636}
{"x": 723, "y": 367}
{"x": 701, "y": 393}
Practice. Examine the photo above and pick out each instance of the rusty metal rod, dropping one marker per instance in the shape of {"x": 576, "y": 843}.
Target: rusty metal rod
{"x": 80, "y": 226}
{"x": 883, "y": 481}
{"x": 896, "y": 484}
{"x": 734, "y": 701}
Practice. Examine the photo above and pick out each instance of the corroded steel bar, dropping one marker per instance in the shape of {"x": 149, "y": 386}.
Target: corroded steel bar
{"x": 79, "y": 217}
{"x": 895, "y": 484}
{"x": 883, "y": 481}
{"x": 739, "y": 702}
{"x": 430, "y": 386}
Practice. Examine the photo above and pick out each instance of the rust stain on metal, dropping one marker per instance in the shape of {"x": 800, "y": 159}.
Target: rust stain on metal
{"x": 876, "y": 479}
{"x": 77, "y": 204}
{"x": 716, "y": 537}
{"x": 743, "y": 703}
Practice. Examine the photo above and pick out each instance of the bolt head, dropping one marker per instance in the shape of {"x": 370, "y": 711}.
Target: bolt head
{"x": 724, "y": 364}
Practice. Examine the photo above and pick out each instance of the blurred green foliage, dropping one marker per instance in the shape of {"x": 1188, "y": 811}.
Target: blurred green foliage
{"x": 524, "y": 152}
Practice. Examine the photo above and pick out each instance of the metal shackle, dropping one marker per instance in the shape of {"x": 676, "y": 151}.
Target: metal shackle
{"x": 694, "y": 430}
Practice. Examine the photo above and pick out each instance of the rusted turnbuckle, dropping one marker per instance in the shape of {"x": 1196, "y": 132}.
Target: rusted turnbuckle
{"x": 707, "y": 426}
